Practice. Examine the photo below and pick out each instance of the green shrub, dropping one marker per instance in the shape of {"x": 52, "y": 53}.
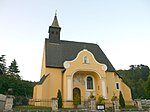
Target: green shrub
{"x": 91, "y": 96}
{"x": 121, "y": 100}
{"x": 76, "y": 99}
{"x": 114, "y": 97}
{"x": 100, "y": 100}
{"x": 59, "y": 96}
{"x": 20, "y": 101}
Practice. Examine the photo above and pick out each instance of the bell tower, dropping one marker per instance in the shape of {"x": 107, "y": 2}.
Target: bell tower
{"x": 54, "y": 31}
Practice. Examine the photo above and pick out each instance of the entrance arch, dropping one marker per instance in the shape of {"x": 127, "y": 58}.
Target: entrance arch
{"x": 76, "y": 96}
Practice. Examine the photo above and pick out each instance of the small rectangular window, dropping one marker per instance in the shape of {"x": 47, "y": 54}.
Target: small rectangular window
{"x": 117, "y": 86}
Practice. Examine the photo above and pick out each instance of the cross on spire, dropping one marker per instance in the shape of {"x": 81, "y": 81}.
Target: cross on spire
{"x": 56, "y": 12}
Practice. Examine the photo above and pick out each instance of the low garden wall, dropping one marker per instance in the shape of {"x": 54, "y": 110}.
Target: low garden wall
{"x": 2, "y": 102}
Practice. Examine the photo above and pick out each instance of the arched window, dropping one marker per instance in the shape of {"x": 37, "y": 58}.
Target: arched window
{"x": 85, "y": 60}
{"x": 89, "y": 82}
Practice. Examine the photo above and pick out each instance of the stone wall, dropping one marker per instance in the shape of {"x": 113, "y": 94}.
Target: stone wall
{"x": 145, "y": 102}
{"x": 2, "y": 102}
{"x": 9, "y": 103}
{"x": 6, "y": 103}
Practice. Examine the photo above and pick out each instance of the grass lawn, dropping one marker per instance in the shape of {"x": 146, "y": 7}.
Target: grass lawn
{"x": 31, "y": 108}
{"x": 38, "y": 108}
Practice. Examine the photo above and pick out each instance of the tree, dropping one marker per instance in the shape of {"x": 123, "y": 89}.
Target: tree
{"x": 148, "y": 87}
{"x": 136, "y": 78}
{"x": 1, "y": 73}
{"x": 141, "y": 89}
{"x": 59, "y": 96}
{"x": 3, "y": 67}
{"x": 13, "y": 69}
{"x": 10, "y": 82}
{"x": 121, "y": 100}
{"x": 144, "y": 71}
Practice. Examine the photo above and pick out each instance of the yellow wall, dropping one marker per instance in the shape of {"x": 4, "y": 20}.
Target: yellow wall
{"x": 52, "y": 83}
{"x": 43, "y": 68}
{"x": 126, "y": 92}
{"x": 37, "y": 92}
{"x": 111, "y": 79}
{"x": 54, "y": 80}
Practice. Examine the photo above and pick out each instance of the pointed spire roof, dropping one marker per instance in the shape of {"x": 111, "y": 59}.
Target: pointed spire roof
{"x": 55, "y": 21}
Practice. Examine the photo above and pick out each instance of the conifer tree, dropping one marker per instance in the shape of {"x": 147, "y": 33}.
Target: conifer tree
{"x": 3, "y": 67}
{"x": 121, "y": 100}
{"x": 59, "y": 96}
{"x": 13, "y": 69}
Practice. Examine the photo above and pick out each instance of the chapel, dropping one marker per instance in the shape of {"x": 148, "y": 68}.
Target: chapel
{"x": 76, "y": 68}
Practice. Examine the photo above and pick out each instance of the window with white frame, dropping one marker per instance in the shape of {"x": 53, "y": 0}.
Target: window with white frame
{"x": 85, "y": 60}
{"x": 89, "y": 82}
{"x": 117, "y": 85}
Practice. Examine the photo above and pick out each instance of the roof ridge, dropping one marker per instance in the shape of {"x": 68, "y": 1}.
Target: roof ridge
{"x": 78, "y": 42}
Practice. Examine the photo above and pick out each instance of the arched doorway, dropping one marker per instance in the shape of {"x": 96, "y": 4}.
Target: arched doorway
{"x": 76, "y": 96}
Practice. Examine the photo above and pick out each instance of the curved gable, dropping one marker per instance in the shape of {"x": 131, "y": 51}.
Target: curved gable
{"x": 58, "y": 53}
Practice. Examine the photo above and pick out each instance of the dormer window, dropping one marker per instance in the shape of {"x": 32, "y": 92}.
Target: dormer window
{"x": 85, "y": 60}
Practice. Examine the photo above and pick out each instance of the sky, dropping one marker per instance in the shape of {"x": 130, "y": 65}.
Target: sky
{"x": 120, "y": 27}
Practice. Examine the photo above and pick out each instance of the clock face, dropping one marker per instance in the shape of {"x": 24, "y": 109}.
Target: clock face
{"x": 104, "y": 67}
{"x": 66, "y": 64}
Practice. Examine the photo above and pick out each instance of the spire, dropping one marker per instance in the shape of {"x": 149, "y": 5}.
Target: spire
{"x": 55, "y": 21}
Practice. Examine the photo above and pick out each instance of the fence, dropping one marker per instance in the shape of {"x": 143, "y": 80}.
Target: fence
{"x": 48, "y": 103}
{"x": 41, "y": 102}
{"x": 85, "y": 106}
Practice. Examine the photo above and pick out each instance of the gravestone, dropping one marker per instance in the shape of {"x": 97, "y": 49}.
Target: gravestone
{"x": 54, "y": 104}
{"x": 9, "y": 103}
